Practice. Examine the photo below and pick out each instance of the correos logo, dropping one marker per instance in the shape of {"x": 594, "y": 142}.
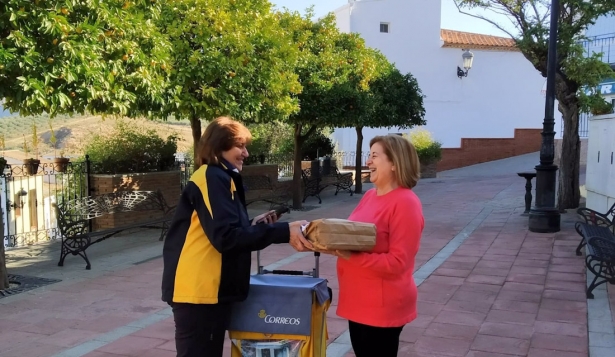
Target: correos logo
{"x": 278, "y": 320}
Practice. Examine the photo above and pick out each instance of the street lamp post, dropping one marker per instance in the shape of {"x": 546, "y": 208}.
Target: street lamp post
{"x": 544, "y": 216}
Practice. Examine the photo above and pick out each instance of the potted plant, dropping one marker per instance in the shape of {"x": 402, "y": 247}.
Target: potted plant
{"x": 32, "y": 164}
{"x": 2, "y": 159}
{"x": 60, "y": 164}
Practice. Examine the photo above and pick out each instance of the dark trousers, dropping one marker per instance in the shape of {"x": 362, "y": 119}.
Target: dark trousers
{"x": 200, "y": 329}
{"x": 370, "y": 341}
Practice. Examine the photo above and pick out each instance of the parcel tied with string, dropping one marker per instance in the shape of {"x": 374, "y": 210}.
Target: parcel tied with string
{"x": 341, "y": 234}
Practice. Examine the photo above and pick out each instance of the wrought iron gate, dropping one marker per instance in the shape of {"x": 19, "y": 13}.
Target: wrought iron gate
{"x": 27, "y": 193}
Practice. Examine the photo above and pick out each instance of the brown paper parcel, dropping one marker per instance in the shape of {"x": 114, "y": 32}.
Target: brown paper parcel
{"x": 341, "y": 234}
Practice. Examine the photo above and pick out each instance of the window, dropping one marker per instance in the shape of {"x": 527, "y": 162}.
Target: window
{"x": 384, "y": 27}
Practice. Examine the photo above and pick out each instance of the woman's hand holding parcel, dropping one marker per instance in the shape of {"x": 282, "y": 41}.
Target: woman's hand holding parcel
{"x": 297, "y": 239}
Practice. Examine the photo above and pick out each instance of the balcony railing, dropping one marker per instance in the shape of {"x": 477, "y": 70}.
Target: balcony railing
{"x": 603, "y": 45}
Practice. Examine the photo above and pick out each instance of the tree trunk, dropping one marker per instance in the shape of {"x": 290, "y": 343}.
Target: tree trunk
{"x": 4, "y": 279}
{"x": 195, "y": 125}
{"x": 297, "y": 187}
{"x": 358, "y": 181}
{"x": 568, "y": 192}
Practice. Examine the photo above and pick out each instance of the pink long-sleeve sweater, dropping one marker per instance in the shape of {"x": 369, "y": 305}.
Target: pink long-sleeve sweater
{"x": 377, "y": 288}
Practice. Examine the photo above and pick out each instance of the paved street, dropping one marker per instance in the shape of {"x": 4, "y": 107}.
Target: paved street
{"x": 487, "y": 286}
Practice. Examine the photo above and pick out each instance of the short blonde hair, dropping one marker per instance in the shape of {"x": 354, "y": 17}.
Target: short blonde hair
{"x": 221, "y": 135}
{"x": 402, "y": 154}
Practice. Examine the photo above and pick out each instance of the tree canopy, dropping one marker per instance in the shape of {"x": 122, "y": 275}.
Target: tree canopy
{"x": 334, "y": 69}
{"x": 81, "y": 56}
{"x": 393, "y": 100}
{"x": 229, "y": 58}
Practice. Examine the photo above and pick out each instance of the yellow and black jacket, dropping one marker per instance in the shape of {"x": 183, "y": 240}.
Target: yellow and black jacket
{"x": 207, "y": 251}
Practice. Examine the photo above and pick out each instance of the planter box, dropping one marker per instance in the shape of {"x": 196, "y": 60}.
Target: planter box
{"x": 429, "y": 170}
{"x": 168, "y": 182}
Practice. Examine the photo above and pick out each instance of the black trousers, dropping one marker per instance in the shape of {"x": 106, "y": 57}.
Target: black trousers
{"x": 200, "y": 329}
{"x": 370, "y": 341}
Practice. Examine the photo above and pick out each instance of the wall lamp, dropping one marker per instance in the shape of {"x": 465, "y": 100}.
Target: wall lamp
{"x": 468, "y": 58}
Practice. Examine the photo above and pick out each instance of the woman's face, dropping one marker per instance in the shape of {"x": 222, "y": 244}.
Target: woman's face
{"x": 381, "y": 169}
{"x": 236, "y": 155}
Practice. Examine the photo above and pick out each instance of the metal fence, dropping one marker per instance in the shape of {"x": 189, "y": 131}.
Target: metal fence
{"x": 604, "y": 45}
{"x": 28, "y": 192}
{"x": 285, "y": 162}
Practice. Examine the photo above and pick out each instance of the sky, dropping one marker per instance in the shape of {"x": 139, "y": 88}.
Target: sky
{"x": 451, "y": 18}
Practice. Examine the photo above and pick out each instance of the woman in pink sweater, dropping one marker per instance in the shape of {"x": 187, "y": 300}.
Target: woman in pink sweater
{"x": 377, "y": 291}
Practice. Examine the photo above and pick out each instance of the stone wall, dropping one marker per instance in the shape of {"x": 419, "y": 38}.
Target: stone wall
{"x": 167, "y": 182}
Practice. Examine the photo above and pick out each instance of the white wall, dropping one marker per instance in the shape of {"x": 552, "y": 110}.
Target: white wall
{"x": 600, "y": 175}
{"x": 501, "y": 92}
{"x": 604, "y": 25}
{"x": 343, "y": 18}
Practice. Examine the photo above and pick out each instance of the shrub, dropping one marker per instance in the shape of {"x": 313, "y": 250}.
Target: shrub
{"x": 129, "y": 149}
{"x": 317, "y": 145}
{"x": 428, "y": 150}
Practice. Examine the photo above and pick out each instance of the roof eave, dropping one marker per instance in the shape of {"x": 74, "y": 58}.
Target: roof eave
{"x": 480, "y": 47}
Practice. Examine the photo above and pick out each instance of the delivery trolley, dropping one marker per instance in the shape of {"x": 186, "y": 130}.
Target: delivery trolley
{"x": 284, "y": 315}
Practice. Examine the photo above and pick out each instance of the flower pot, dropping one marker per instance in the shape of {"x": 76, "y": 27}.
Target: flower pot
{"x": 60, "y": 164}
{"x": 31, "y": 166}
{"x": 429, "y": 169}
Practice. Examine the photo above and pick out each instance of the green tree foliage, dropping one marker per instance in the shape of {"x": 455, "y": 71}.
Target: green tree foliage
{"x": 575, "y": 71}
{"x": 229, "y": 58}
{"x": 270, "y": 138}
{"x": 334, "y": 69}
{"x": 93, "y": 56}
{"x": 67, "y": 56}
{"x": 393, "y": 100}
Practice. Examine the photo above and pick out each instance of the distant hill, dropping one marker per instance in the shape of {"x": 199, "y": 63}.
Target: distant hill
{"x": 72, "y": 132}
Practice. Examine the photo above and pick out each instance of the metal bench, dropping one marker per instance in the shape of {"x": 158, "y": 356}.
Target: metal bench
{"x": 74, "y": 218}
{"x": 595, "y": 218}
{"x": 260, "y": 188}
{"x": 600, "y": 259}
{"x": 313, "y": 185}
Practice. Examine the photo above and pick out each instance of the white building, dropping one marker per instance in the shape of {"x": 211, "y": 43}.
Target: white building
{"x": 501, "y": 93}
